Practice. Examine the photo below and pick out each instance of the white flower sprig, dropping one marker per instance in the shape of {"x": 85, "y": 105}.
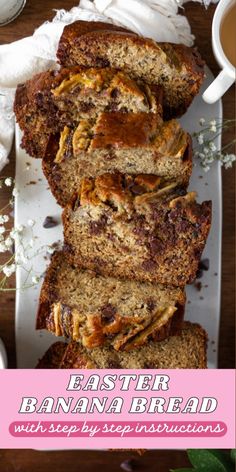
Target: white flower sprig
{"x": 206, "y": 150}
{"x": 25, "y": 252}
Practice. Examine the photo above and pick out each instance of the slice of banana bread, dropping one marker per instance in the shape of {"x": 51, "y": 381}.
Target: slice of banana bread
{"x": 53, "y": 99}
{"x": 137, "y": 228}
{"x": 178, "y": 68}
{"x": 124, "y": 142}
{"x": 95, "y": 310}
{"x": 186, "y": 351}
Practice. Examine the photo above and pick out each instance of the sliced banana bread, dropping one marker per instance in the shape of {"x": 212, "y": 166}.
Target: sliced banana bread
{"x": 186, "y": 351}
{"x": 53, "y": 99}
{"x": 178, "y": 68}
{"x": 137, "y": 228}
{"x": 95, "y": 310}
{"x": 124, "y": 142}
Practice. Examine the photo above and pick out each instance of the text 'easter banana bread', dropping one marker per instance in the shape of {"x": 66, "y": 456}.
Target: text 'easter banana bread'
{"x": 137, "y": 228}
{"x": 177, "y": 68}
{"x": 54, "y": 99}
{"x": 186, "y": 351}
{"x": 125, "y": 142}
{"x": 87, "y": 307}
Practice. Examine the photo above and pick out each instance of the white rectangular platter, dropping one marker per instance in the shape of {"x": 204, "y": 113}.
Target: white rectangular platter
{"x": 36, "y": 202}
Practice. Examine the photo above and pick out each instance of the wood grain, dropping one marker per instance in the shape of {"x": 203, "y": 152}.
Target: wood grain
{"x": 23, "y": 460}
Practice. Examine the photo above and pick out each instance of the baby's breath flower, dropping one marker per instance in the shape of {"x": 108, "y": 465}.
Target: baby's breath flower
{"x": 31, "y": 223}
{"x": 8, "y": 270}
{"x": 50, "y": 250}
{"x": 200, "y": 138}
{"x": 14, "y": 235}
{"x": 2, "y": 229}
{"x": 3, "y": 247}
{"x": 8, "y": 181}
{"x": 31, "y": 243}
{"x": 35, "y": 279}
{"x": 15, "y": 192}
{"x": 212, "y": 124}
{"x": 8, "y": 242}
{"x": 212, "y": 146}
{"x": 19, "y": 228}
{"x": 202, "y": 121}
{"x": 4, "y": 219}
{"x": 21, "y": 257}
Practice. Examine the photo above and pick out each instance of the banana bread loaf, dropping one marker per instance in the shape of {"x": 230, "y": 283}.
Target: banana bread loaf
{"x": 137, "y": 228}
{"x": 186, "y": 351}
{"x": 54, "y": 99}
{"x": 95, "y": 310}
{"x": 124, "y": 142}
{"x": 178, "y": 68}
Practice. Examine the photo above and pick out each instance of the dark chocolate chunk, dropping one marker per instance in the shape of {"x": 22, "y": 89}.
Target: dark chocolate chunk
{"x": 199, "y": 274}
{"x": 204, "y": 264}
{"x": 114, "y": 93}
{"x": 113, "y": 364}
{"x": 155, "y": 246}
{"x": 97, "y": 227}
{"x": 137, "y": 189}
{"x": 108, "y": 313}
{"x": 50, "y": 222}
{"x": 149, "y": 265}
{"x": 101, "y": 62}
{"x": 198, "y": 286}
{"x": 151, "y": 304}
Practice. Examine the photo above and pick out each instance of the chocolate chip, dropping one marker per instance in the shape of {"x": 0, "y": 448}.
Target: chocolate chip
{"x": 50, "y": 222}
{"x": 204, "y": 264}
{"x": 114, "y": 93}
{"x": 149, "y": 265}
{"x": 151, "y": 305}
{"x": 137, "y": 189}
{"x": 97, "y": 227}
{"x": 101, "y": 62}
{"x": 149, "y": 366}
{"x": 181, "y": 191}
{"x": 113, "y": 364}
{"x": 198, "y": 286}
{"x": 155, "y": 245}
{"x": 86, "y": 107}
{"x": 199, "y": 274}
{"x": 108, "y": 313}
{"x": 128, "y": 465}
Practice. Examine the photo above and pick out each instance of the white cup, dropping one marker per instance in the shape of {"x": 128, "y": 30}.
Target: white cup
{"x": 3, "y": 356}
{"x": 10, "y": 9}
{"x": 227, "y": 76}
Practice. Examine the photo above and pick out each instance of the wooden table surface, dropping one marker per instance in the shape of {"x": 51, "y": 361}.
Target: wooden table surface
{"x": 32, "y": 16}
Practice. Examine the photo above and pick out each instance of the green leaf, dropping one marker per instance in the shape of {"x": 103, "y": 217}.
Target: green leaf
{"x": 233, "y": 455}
{"x": 205, "y": 460}
{"x": 183, "y": 470}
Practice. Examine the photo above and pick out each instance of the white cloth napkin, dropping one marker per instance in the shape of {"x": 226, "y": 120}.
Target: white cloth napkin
{"x": 157, "y": 19}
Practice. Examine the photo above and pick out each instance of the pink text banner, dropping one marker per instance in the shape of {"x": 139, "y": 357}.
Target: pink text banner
{"x": 102, "y": 409}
